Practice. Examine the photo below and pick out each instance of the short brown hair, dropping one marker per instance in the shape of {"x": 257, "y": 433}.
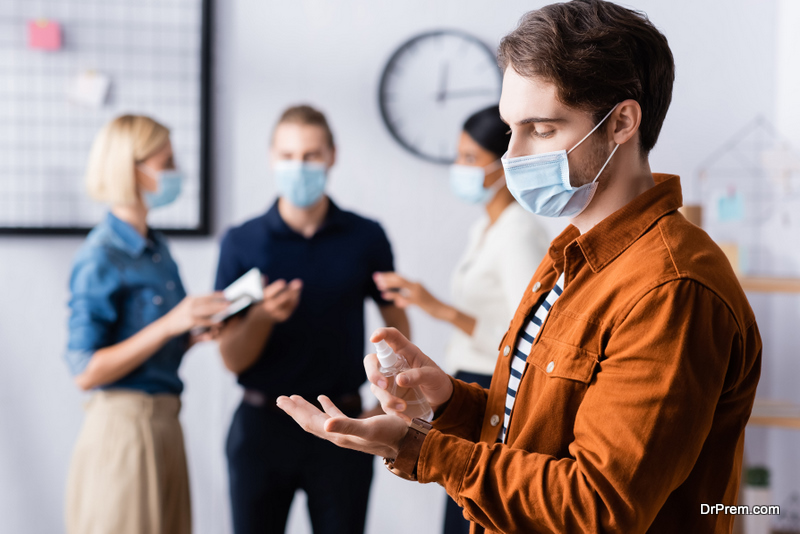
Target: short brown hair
{"x": 597, "y": 54}
{"x": 305, "y": 114}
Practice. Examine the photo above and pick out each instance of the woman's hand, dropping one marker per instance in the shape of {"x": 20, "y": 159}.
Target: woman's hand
{"x": 434, "y": 383}
{"x": 379, "y": 435}
{"x": 403, "y": 292}
{"x": 202, "y": 335}
{"x": 111, "y": 363}
{"x": 194, "y": 312}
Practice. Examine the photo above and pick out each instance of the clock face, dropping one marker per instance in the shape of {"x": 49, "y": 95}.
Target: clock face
{"x": 431, "y": 85}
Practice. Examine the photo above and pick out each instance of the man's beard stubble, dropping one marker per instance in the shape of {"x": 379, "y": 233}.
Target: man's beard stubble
{"x": 582, "y": 170}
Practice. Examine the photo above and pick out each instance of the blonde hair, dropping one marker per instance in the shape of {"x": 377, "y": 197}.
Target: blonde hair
{"x": 122, "y": 144}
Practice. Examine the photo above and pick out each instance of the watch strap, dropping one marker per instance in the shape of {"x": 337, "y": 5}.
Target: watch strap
{"x": 405, "y": 465}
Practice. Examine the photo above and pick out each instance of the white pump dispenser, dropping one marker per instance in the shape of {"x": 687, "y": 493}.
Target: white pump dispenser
{"x": 386, "y": 355}
{"x": 392, "y": 364}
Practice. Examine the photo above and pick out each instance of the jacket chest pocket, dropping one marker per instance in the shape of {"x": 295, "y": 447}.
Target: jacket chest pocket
{"x": 557, "y": 359}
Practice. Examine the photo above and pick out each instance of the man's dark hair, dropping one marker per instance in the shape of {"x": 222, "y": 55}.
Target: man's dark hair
{"x": 597, "y": 54}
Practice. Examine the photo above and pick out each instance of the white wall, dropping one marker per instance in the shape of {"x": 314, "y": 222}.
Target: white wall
{"x": 781, "y": 367}
{"x": 330, "y": 53}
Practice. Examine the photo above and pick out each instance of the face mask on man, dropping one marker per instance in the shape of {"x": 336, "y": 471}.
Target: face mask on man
{"x": 169, "y": 183}
{"x": 302, "y": 183}
{"x": 540, "y": 182}
{"x": 466, "y": 182}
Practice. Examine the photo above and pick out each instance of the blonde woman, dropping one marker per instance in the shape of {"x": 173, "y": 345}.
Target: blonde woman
{"x": 128, "y": 331}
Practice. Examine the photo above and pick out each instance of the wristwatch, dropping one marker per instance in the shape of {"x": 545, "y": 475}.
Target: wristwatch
{"x": 405, "y": 465}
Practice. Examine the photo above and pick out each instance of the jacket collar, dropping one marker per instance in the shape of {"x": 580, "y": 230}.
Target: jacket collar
{"x": 126, "y": 237}
{"x": 614, "y": 234}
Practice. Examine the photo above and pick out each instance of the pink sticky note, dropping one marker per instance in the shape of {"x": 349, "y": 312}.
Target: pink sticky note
{"x": 44, "y": 34}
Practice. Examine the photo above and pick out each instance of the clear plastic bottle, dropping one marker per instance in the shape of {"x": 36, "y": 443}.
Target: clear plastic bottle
{"x": 393, "y": 364}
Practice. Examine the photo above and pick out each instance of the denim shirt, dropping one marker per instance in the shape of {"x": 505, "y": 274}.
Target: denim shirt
{"x": 120, "y": 283}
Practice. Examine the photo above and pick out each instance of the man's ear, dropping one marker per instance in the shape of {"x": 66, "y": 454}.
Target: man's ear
{"x": 333, "y": 157}
{"x": 624, "y": 121}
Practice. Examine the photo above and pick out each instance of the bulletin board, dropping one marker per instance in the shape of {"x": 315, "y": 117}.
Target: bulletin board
{"x": 750, "y": 191}
{"x": 151, "y": 57}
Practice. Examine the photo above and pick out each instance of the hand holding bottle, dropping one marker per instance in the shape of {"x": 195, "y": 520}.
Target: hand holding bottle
{"x": 431, "y": 381}
{"x": 392, "y": 365}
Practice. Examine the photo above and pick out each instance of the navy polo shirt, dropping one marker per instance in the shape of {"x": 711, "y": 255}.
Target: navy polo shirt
{"x": 320, "y": 348}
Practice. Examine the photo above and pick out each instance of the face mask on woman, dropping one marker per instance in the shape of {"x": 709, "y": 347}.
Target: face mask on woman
{"x": 302, "y": 183}
{"x": 466, "y": 182}
{"x": 169, "y": 183}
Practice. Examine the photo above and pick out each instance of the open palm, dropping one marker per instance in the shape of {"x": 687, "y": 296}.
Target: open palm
{"x": 379, "y": 435}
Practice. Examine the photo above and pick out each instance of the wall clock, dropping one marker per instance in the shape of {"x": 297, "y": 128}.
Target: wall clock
{"x": 431, "y": 85}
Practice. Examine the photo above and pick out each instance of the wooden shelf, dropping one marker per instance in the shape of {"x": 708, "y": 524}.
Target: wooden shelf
{"x": 775, "y": 413}
{"x": 770, "y": 285}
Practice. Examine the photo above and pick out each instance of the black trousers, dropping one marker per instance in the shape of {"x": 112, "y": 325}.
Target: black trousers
{"x": 454, "y": 522}
{"x": 270, "y": 457}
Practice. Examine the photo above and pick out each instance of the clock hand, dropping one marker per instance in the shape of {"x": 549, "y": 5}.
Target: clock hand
{"x": 442, "y": 94}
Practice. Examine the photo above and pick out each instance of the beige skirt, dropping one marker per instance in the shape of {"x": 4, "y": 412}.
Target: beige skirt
{"x": 128, "y": 473}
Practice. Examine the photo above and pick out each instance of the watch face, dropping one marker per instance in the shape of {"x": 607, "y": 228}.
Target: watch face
{"x": 431, "y": 85}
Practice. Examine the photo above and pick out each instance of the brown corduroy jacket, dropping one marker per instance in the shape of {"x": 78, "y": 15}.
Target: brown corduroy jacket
{"x": 653, "y": 355}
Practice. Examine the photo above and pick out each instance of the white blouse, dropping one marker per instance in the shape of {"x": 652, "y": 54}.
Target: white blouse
{"x": 489, "y": 282}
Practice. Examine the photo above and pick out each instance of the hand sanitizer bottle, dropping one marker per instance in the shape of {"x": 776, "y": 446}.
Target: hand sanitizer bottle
{"x": 393, "y": 364}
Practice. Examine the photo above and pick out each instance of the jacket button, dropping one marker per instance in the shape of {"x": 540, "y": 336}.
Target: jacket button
{"x": 536, "y": 287}
{"x": 495, "y": 420}
{"x": 506, "y": 350}
{"x": 551, "y": 366}
{"x": 171, "y": 285}
{"x": 157, "y": 300}
{"x": 156, "y": 257}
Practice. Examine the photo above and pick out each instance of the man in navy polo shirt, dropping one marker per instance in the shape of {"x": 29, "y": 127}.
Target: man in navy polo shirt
{"x": 306, "y": 337}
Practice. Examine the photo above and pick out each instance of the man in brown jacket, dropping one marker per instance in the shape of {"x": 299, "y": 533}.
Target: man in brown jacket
{"x": 627, "y": 375}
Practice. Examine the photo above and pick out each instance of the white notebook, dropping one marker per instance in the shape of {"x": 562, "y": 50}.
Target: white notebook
{"x": 246, "y": 290}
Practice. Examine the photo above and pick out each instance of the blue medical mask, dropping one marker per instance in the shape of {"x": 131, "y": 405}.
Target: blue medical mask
{"x": 466, "y": 182}
{"x": 170, "y": 184}
{"x": 302, "y": 183}
{"x": 540, "y": 182}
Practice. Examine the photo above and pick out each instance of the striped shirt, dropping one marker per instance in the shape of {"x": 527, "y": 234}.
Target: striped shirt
{"x": 523, "y": 349}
